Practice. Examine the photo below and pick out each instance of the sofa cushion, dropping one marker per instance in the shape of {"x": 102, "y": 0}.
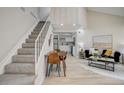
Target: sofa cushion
{"x": 117, "y": 55}
{"x": 108, "y": 53}
{"x": 103, "y": 52}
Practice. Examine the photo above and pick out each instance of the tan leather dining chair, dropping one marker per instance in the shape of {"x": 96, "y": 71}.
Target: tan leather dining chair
{"x": 53, "y": 58}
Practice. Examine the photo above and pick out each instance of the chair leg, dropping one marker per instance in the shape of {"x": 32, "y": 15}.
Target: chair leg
{"x": 49, "y": 69}
{"x": 58, "y": 68}
{"x": 64, "y": 68}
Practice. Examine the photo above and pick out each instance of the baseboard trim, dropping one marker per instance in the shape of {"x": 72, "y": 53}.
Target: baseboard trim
{"x": 13, "y": 51}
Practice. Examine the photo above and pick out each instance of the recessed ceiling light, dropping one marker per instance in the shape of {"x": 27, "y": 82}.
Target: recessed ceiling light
{"x": 74, "y": 24}
{"x": 61, "y": 24}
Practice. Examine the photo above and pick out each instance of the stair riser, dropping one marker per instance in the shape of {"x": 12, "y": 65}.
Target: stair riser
{"x": 30, "y": 40}
{"x": 33, "y": 36}
{"x": 20, "y": 69}
{"x": 37, "y": 29}
{"x": 28, "y": 45}
{"x": 23, "y": 59}
{"x": 26, "y": 52}
{"x": 35, "y": 32}
{"x": 41, "y": 24}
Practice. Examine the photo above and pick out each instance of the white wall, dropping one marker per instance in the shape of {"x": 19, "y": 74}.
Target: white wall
{"x": 14, "y": 23}
{"x": 44, "y": 12}
{"x": 102, "y": 24}
{"x": 109, "y": 10}
{"x": 41, "y": 65}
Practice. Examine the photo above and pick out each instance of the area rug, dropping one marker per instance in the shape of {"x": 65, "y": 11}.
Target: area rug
{"x": 118, "y": 73}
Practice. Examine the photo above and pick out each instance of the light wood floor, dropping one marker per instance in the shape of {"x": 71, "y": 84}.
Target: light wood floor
{"x": 76, "y": 75}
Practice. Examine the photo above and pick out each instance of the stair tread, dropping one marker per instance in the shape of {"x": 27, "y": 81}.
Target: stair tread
{"x": 35, "y": 32}
{"x": 26, "y": 51}
{"x": 31, "y": 39}
{"x": 24, "y": 64}
{"x": 17, "y": 79}
{"x": 29, "y": 43}
{"x": 21, "y": 64}
{"x": 23, "y": 59}
{"x": 33, "y": 35}
{"x": 23, "y": 56}
{"x": 26, "y": 48}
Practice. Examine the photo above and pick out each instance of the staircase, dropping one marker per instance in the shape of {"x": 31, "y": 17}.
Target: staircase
{"x": 22, "y": 69}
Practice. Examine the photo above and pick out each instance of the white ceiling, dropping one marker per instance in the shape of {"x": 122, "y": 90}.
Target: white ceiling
{"x": 119, "y": 11}
{"x": 67, "y": 16}
{"x": 67, "y": 27}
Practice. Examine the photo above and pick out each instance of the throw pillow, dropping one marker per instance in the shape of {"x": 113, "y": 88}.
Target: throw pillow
{"x": 108, "y": 53}
{"x": 92, "y": 50}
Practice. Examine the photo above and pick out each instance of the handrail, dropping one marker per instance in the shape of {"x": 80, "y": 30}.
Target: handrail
{"x": 42, "y": 28}
{"x": 37, "y": 42}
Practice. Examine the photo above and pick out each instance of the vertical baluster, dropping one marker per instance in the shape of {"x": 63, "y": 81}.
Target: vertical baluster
{"x": 37, "y": 50}
{"x": 39, "y": 46}
{"x": 41, "y": 41}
